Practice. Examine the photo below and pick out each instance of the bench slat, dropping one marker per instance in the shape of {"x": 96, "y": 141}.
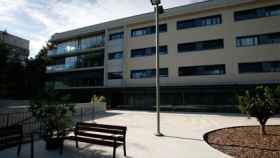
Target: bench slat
{"x": 95, "y": 141}
{"x": 102, "y": 125}
{"x": 102, "y": 130}
{"x": 79, "y": 133}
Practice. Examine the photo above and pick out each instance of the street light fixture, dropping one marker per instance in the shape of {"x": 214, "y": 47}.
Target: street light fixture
{"x": 155, "y": 2}
{"x": 158, "y": 10}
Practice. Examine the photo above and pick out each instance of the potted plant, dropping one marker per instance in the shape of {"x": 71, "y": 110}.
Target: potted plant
{"x": 55, "y": 115}
{"x": 99, "y": 103}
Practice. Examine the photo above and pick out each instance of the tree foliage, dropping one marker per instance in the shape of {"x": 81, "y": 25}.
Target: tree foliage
{"x": 11, "y": 73}
{"x": 54, "y": 111}
{"x": 22, "y": 80}
{"x": 262, "y": 103}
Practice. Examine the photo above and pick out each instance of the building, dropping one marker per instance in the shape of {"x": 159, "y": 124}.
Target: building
{"x": 19, "y": 46}
{"x": 208, "y": 50}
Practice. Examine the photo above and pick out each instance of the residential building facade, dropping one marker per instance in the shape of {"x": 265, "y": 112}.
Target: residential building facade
{"x": 19, "y": 46}
{"x": 207, "y": 49}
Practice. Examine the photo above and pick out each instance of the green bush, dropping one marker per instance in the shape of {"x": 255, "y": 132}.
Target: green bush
{"x": 97, "y": 99}
{"x": 56, "y": 113}
{"x": 261, "y": 103}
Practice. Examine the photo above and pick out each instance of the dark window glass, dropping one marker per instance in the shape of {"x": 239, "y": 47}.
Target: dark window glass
{"x": 115, "y": 75}
{"x": 257, "y": 13}
{"x": 202, "y": 70}
{"x": 148, "y": 51}
{"x": 148, "y": 73}
{"x": 201, "y": 45}
{"x": 148, "y": 30}
{"x": 247, "y": 41}
{"x": 258, "y": 67}
{"x": 115, "y": 36}
{"x": 199, "y": 22}
{"x": 90, "y": 78}
{"x": 115, "y": 55}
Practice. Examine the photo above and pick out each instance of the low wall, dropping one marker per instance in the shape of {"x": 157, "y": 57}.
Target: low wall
{"x": 7, "y": 104}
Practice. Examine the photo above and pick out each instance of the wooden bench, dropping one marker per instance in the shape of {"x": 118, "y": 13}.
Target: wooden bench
{"x": 14, "y": 136}
{"x": 99, "y": 134}
{"x": 11, "y": 136}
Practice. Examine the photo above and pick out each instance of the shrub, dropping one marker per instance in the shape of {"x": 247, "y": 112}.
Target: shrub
{"x": 97, "y": 99}
{"x": 56, "y": 113}
{"x": 262, "y": 103}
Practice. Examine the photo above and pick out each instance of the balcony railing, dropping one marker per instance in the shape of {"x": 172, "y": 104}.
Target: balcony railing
{"x": 55, "y": 68}
{"x": 55, "y": 52}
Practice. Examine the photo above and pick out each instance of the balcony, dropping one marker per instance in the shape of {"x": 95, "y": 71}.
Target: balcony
{"x": 77, "y": 84}
{"x": 76, "y": 48}
{"x": 81, "y": 62}
{"x": 54, "y": 68}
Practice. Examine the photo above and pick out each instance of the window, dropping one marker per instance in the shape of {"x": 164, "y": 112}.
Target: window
{"x": 115, "y": 36}
{"x": 257, "y": 13}
{"x": 199, "y": 22}
{"x": 115, "y": 75}
{"x": 92, "y": 42}
{"x": 247, "y": 41}
{"x": 70, "y": 62}
{"x": 69, "y": 46}
{"x": 148, "y": 73}
{"x": 115, "y": 55}
{"x": 201, "y": 45}
{"x": 202, "y": 70}
{"x": 148, "y": 51}
{"x": 148, "y": 30}
{"x": 259, "y": 67}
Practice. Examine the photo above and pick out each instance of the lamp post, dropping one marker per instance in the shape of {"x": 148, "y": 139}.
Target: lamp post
{"x": 158, "y": 10}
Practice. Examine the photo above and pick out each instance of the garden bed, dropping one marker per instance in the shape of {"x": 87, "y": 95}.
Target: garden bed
{"x": 246, "y": 141}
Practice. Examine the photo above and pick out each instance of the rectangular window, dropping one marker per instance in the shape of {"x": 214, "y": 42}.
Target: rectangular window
{"x": 257, "y": 13}
{"x": 148, "y": 30}
{"x": 201, "y": 45}
{"x": 66, "y": 47}
{"x": 148, "y": 73}
{"x": 148, "y": 51}
{"x": 92, "y": 42}
{"x": 247, "y": 41}
{"x": 202, "y": 70}
{"x": 115, "y": 55}
{"x": 199, "y": 22}
{"x": 259, "y": 67}
{"x": 115, "y": 36}
{"x": 115, "y": 75}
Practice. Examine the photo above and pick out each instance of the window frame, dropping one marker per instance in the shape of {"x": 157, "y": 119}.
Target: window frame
{"x": 198, "y": 70}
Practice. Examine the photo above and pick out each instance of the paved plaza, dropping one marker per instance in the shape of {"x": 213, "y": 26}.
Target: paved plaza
{"x": 183, "y": 136}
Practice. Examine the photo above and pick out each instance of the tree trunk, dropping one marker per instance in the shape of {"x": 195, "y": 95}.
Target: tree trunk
{"x": 262, "y": 129}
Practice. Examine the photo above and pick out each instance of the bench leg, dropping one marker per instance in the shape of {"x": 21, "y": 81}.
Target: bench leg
{"x": 124, "y": 149}
{"x": 32, "y": 147}
{"x": 114, "y": 152}
{"x": 19, "y": 148}
{"x": 61, "y": 146}
{"x": 77, "y": 145}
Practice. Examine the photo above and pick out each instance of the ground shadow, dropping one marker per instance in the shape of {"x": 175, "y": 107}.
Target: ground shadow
{"x": 106, "y": 114}
{"x": 175, "y": 137}
{"x": 248, "y": 147}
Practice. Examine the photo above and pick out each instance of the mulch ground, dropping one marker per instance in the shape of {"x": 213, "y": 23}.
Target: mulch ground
{"x": 241, "y": 142}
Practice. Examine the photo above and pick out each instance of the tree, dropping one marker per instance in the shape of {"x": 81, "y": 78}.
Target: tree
{"x": 262, "y": 103}
{"x": 36, "y": 72}
{"x": 11, "y": 72}
{"x": 4, "y": 51}
{"x": 55, "y": 113}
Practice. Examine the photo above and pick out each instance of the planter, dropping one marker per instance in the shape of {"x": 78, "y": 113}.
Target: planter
{"x": 100, "y": 106}
{"x": 53, "y": 143}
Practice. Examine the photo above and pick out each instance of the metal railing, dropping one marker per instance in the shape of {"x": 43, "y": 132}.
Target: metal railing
{"x": 84, "y": 112}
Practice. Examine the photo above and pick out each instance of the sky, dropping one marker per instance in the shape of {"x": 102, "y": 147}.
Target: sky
{"x": 37, "y": 20}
